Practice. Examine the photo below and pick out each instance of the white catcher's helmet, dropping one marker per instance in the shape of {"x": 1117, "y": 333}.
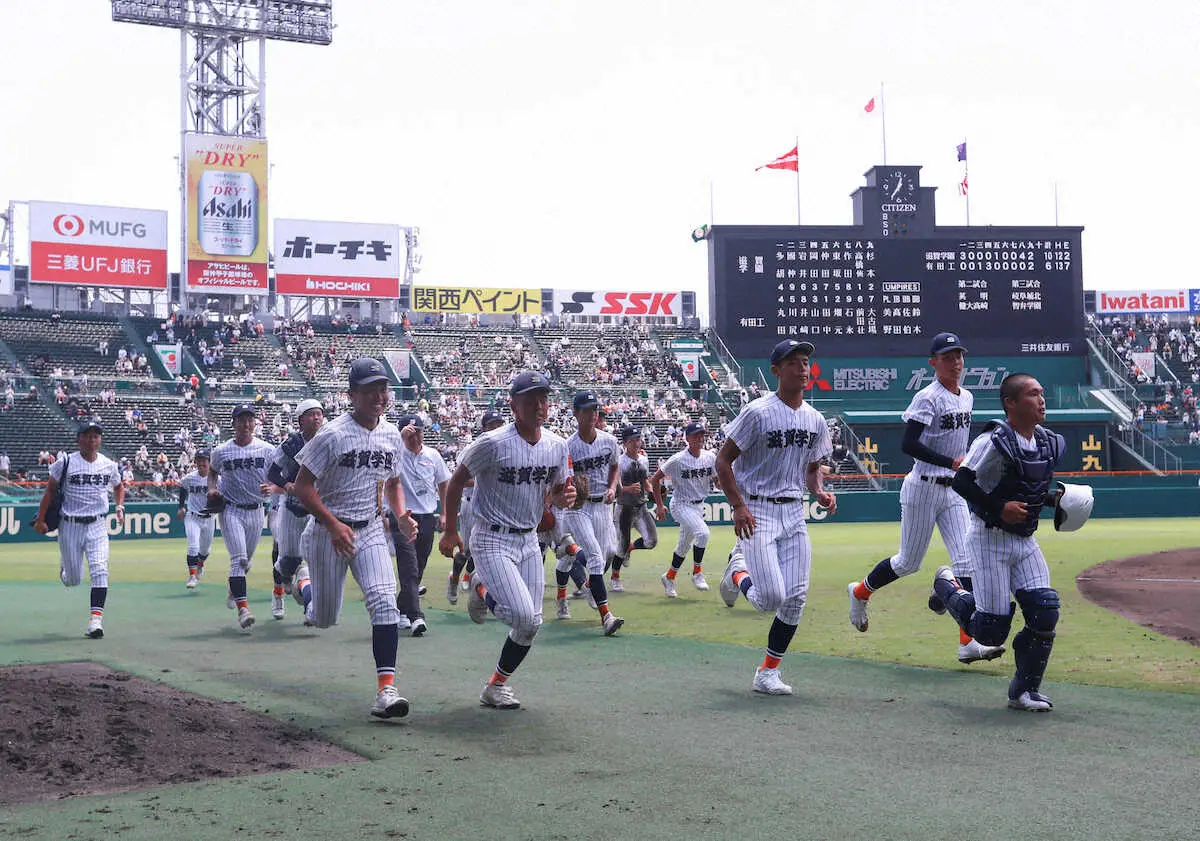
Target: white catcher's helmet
{"x": 1074, "y": 507}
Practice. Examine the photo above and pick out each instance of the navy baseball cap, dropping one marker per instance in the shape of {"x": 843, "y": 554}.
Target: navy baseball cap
{"x": 527, "y": 381}
{"x": 410, "y": 420}
{"x": 628, "y": 433}
{"x": 243, "y": 409}
{"x": 693, "y": 427}
{"x": 202, "y": 453}
{"x": 943, "y": 342}
{"x": 490, "y": 417}
{"x": 586, "y": 400}
{"x": 789, "y": 346}
{"x": 89, "y": 425}
{"x": 366, "y": 370}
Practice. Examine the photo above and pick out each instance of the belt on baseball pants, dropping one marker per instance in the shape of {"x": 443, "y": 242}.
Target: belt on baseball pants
{"x": 83, "y": 521}
{"x": 356, "y": 524}
{"x": 201, "y": 516}
{"x": 507, "y": 529}
{"x": 248, "y": 507}
{"x": 944, "y": 481}
{"x": 596, "y": 498}
{"x": 698, "y": 501}
{"x": 778, "y": 500}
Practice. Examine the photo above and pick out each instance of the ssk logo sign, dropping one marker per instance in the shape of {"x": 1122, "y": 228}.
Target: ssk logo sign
{"x": 572, "y": 302}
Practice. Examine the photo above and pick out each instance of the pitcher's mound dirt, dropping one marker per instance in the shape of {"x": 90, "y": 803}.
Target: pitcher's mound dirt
{"x": 1159, "y": 591}
{"x": 81, "y": 728}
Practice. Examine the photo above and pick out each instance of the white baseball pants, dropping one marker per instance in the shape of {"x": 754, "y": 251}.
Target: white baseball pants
{"x": 592, "y": 528}
{"x": 922, "y": 506}
{"x": 77, "y": 541}
{"x": 693, "y": 531}
{"x": 371, "y": 567}
{"x": 779, "y": 559}
{"x": 1004, "y": 563}
{"x": 511, "y": 568}
{"x": 241, "y": 529}
{"x": 199, "y": 532}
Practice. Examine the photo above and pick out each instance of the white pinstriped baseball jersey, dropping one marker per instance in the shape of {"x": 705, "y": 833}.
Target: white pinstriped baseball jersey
{"x": 777, "y": 444}
{"x": 947, "y": 420}
{"x": 986, "y": 461}
{"x": 240, "y": 470}
{"x": 351, "y": 463}
{"x": 196, "y": 487}
{"x": 691, "y": 476}
{"x": 513, "y": 476}
{"x": 420, "y": 474}
{"x": 594, "y": 459}
{"x": 88, "y": 483}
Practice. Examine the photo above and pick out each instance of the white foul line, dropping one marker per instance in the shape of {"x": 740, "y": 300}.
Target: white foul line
{"x": 1155, "y": 580}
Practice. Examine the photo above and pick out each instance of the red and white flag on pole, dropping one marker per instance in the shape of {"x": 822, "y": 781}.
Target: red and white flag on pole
{"x": 962, "y": 186}
{"x": 791, "y": 161}
{"x": 870, "y": 106}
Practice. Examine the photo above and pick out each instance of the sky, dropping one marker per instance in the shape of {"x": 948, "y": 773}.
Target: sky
{"x": 546, "y": 143}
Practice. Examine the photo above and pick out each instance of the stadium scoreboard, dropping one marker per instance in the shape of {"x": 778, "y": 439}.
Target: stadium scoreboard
{"x": 885, "y": 285}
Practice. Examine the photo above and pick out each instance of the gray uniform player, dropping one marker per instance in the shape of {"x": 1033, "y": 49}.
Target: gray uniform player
{"x": 630, "y": 512}
{"x": 239, "y": 474}
{"x": 691, "y": 472}
{"x": 593, "y": 454}
{"x": 462, "y": 562}
{"x": 938, "y": 427}
{"x": 348, "y": 472}
{"x": 198, "y": 524}
{"x": 86, "y": 478}
{"x": 1007, "y": 477}
{"x": 773, "y": 453}
{"x": 515, "y": 468}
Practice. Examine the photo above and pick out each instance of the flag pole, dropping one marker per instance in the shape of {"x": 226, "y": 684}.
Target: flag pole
{"x": 797, "y": 179}
{"x": 883, "y": 121}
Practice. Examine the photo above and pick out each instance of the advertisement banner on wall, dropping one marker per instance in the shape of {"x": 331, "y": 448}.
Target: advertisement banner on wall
{"x": 171, "y": 357}
{"x": 1144, "y": 360}
{"x": 226, "y": 214}
{"x": 338, "y": 259}
{"x": 401, "y": 362}
{"x": 691, "y": 365}
{"x": 570, "y": 302}
{"x": 96, "y": 245}
{"x": 471, "y": 299}
{"x": 1122, "y": 301}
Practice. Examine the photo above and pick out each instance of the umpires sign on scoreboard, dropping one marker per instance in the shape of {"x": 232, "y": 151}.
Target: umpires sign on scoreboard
{"x": 885, "y": 285}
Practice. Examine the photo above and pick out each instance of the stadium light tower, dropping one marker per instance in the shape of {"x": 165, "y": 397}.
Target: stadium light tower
{"x": 223, "y": 58}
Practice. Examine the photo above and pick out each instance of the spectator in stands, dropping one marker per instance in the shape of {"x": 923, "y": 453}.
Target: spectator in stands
{"x": 45, "y": 458}
{"x": 102, "y": 348}
{"x": 33, "y": 393}
{"x": 5, "y": 464}
{"x": 10, "y": 396}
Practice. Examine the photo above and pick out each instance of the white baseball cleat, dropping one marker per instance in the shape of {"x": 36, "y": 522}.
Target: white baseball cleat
{"x": 95, "y": 628}
{"x": 451, "y": 589}
{"x": 499, "y": 696}
{"x": 419, "y": 627}
{"x": 669, "y": 586}
{"x": 309, "y": 622}
{"x": 192, "y": 582}
{"x": 389, "y": 704}
{"x": 404, "y": 626}
{"x": 617, "y": 586}
{"x": 729, "y": 590}
{"x": 858, "y": 608}
{"x": 975, "y": 650}
{"x": 1034, "y": 702}
{"x": 245, "y": 618}
{"x": 199, "y": 570}
{"x": 302, "y": 574}
{"x": 770, "y": 682}
{"x": 465, "y": 584}
{"x": 700, "y": 582}
{"x": 277, "y": 606}
{"x": 476, "y": 606}
{"x": 230, "y": 601}
{"x": 612, "y": 624}
{"x": 564, "y": 609}
{"x": 591, "y": 600}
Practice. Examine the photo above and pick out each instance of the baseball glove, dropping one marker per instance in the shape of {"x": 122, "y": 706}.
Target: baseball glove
{"x": 583, "y": 489}
{"x": 547, "y": 522}
{"x": 215, "y": 503}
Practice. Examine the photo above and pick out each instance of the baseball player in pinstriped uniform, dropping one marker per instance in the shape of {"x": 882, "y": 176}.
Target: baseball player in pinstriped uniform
{"x": 774, "y": 450}
{"x": 938, "y": 428}
{"x": 85, "y": 477}
{"x": 290, "y": 572}
{"x": 516, "y": 468}
{"x": 633, "y": 467}
{"x": 1006, "y": 478}
{"x": 239, "y": 474}
{"x": 692, "y": 472}
{"x": 611, "y": 551}
{"x": 198, "y": 524}
{"x": 593, "y": 454}
{"x": 348, "y": 471}
{"x": 462, "y": 560}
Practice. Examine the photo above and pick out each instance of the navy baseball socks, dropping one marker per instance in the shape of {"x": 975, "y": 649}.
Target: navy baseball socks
{"x": 385, "y": 639}
{"x": 95, "y": 626}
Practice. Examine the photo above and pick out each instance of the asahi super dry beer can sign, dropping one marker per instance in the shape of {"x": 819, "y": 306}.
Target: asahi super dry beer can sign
{"x": 227, "y": 214}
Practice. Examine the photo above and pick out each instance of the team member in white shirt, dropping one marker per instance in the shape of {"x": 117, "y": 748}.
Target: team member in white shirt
{"x": 198, "y": 524}
{"x": 692, "y": 473}
{"x": 516, "y": 468}
{"x": 462, "y": 562}
{"x": 773, "y": 453}
{"x": 938, "y": 427}
{"x": 86, "y": 477}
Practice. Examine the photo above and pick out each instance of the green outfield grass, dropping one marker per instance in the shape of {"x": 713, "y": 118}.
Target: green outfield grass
{"x": 1094, "y": 646}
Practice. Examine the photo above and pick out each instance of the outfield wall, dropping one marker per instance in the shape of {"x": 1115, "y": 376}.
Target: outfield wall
{"x": 159, "y": 520}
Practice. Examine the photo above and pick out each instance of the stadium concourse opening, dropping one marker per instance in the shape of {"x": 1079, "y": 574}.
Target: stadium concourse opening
{"x": 74, "y": 729}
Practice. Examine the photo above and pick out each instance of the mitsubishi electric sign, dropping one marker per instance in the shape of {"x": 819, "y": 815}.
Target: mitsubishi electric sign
{"x": 338, "y": 259}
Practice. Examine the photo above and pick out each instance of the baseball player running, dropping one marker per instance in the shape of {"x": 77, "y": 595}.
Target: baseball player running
{"x": 291, "y": 518}
{"x": 774, "y": 450}
{"x": 1006, "y": 479}
{"x": 938, "y": 427}
{"x": 593, "y": 455}
{"x": 198, "y": 524}
{"x": 515, "y": 468}
{"x": 462, "y": 561}
{"x": 348, "y": 472}
{"x": 692, "y": 472}
{"x": 84, "y": 479}
{"x": 238, "y": 477}
{"x": 630, "y": 511}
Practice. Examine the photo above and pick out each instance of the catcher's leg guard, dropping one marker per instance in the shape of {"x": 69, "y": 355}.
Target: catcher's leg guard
{"x": 1032, "y": 646}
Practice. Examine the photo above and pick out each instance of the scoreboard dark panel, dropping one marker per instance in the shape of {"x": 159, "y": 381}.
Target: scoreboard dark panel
{"x": 1007, "y": 291}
